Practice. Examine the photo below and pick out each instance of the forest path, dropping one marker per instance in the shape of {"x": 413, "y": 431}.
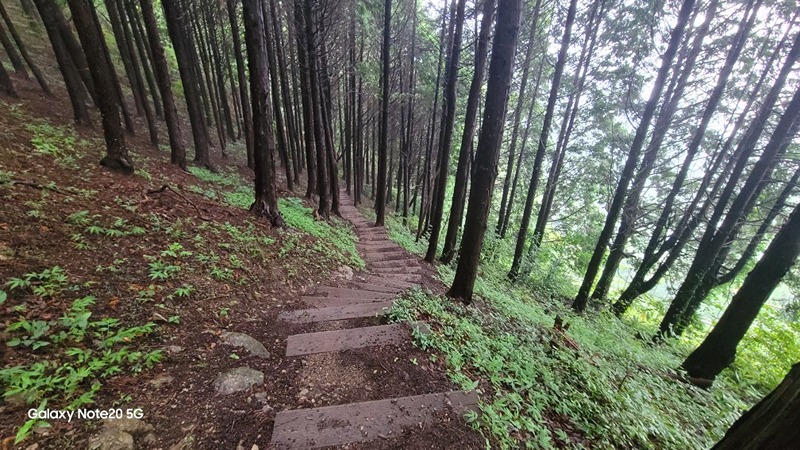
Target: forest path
{"x": 355, "y": 370}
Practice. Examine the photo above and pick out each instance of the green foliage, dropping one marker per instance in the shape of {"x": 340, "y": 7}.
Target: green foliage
{"x": 81, "y": 350}
{"x": 51, "y": 140}
{"x": 337, "y": 239}
{"x": 44, "y": 284}
{"x": 536, "y": 389}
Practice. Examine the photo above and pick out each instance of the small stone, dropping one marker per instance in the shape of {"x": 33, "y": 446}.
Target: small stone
{"x": 6, "y": 252}
{"x": 160, "y": 381}
{"x": 131, "y": 426}
{"x": 303, "y": 392}
{"x": 267, "y": 409}
{"x": 260, "y": 397}
{"x": 244, "y": 341}
{"x": 174, "y": 349}
{"x": 345, "y": 272}
{"x": 111, "y": 439}
{"x": 237, "y": 380}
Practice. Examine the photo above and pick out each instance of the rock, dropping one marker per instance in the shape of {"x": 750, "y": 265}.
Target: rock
{"x": 261, "y": 397}
{"x": 237, "y": 380}
{"x": 132, "y": 426}
{"x": 303, "y": 392}
{"x": 345, "y": 272}
{"x": 174, "y": 349}
{"x": 247, "y": 342}
{"x": 6, "y": 252}
{"x": 111, "y": 439}
{"x": 160, "y": 381}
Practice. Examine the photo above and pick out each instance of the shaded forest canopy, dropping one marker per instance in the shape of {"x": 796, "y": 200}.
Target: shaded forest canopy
{"x": 630, "y": 166}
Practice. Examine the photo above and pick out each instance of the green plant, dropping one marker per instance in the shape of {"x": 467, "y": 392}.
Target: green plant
{"x": 160, "y": 270}
{"x": 45, "y": 284}
{"x": 183, "y": 292}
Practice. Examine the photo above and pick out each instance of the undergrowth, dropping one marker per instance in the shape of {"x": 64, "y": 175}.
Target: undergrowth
{"x": 594, "y": 386}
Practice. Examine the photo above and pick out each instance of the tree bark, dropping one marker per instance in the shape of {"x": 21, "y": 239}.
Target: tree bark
{"x": 177, "y": 149}
{"x": 92, "y": 41}
{"x": 772, "y": 422}
{"x": 178, "y": 31}
{"x": 446, "y": 132}
{"x": 23, "y": 51}
{"x": 487, "y": 153}
{"x": 383, "y": 149}
{"x": 266, "y": 198}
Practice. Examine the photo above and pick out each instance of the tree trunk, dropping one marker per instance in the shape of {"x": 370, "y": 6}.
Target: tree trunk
{"x": 772, "y": 422}
{"x": 178, "y": 32}
{"x": 240, "y": 69}
{"x": 266, "y": 197}
{"x": 67, "y": 67}
{"x": 383, "y": 149}
{"x": 16, "y": 60}
{"x": 718, "y": 349}
{"x": 568, "y": 122}
{"x": 518, "y": 109}
{"x": 632, "y": 207}
{"x": 716, "y": 237}
{"x": 522, "y": 236}
{"x": 633, "y": 157}
{"x": 480, "y": 197}
{"x": 6, "y": 86}
{"x": 446, "y": 132}
{"x": 177, "y": 149}
{"x": 23, "y": 51}
{"x": 92, "y": 41}
{"x": 306, "y": 94}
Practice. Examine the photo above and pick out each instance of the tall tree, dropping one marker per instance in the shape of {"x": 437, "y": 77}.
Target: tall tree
{"x": 718, "y": 349}
{"x": 462, "y": 169}
{"x": 522, "y": 236}
{"x": 266, "y": 197}
{"x": 383, "y": 149}
{"x": 184, "y": 49}
{"x": 37, "y": 73}
{"x": 488, "y": 151}
{"x": 83, "y": 14}
{"x": 632, "y": 160}
{"x": 702, "y": 276}
{"x": 446, "y": 132}
{"x": 164, "y": 81}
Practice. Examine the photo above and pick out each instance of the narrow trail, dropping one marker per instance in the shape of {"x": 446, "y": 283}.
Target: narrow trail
{"x": 336, "y": 367}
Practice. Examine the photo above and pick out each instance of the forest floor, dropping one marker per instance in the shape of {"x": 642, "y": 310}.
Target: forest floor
{"x": 118, "y": 293}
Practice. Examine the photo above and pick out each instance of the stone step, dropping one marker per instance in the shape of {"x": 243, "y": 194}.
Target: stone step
{"x": 325, "y": 302}
{"x": 338, "y": 340}
{"x": 335, "y": 312}
{"x": 352, "y": 293}
{"x": 410, "y": 278}
{"x": 404, "y": 262}
{"x": 382, "y": 288}
{"x": 378, "y": 247}
{"x": 365, "y": 421}
{"x": 389, "y": 281}
{"x": 412, "y": 270}
{"x": 385, "y": 256}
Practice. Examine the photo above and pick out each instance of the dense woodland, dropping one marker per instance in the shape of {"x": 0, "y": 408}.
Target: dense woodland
{"x": 621, "y": 157}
